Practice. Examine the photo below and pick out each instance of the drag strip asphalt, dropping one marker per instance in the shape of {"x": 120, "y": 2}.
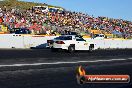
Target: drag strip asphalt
{"x": 29, "y": 56}
{"x": 41, "y": 68}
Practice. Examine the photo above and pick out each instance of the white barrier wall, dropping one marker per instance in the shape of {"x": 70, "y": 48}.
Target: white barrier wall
{"x": 23, "y": 41}
{"x": 38, "y": 41}
{"x": 111, "y": 43}
{"x": 11, "y": 41}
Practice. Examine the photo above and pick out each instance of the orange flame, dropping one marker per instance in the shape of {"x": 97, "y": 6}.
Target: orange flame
{"x": 81, "y": 71}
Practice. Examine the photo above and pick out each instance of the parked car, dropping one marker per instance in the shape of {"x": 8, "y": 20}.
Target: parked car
{"x": 20, "y": 31}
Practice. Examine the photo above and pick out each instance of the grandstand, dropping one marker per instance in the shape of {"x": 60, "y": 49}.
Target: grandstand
{"x": 55, "y": 20}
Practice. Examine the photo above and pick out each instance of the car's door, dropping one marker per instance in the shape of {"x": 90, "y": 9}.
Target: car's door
{"x": 81, "y": 44}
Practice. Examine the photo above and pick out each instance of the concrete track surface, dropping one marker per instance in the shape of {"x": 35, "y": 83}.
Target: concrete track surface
{"x": 41, "y": 68}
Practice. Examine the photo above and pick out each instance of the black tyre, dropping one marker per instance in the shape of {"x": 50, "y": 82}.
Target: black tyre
{"x": 71, "y": 49}
{"x": 91, "y": 48}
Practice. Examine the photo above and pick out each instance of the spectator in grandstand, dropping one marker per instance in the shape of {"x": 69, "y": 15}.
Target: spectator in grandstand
{"x": 55, "y": 22}
{"x": 1, "y": 20}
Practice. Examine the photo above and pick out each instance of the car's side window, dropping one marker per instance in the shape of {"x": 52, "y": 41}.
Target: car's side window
{"x": 79, "y": 39}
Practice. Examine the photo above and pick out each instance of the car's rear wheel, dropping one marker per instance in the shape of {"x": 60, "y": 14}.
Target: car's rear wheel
{"x": 71, "y": 49}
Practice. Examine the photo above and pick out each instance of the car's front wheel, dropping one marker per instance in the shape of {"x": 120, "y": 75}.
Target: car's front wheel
{"x": 71, "y": 49}
{"x": 91, "y": 48}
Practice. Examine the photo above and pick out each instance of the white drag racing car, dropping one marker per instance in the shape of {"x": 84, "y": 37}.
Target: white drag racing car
{"x": 71, "y": 43}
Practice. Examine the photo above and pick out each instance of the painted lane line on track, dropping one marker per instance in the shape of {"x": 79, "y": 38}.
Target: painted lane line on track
{"x": 57, "y": 63}
{"x": 130, "y": 58}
